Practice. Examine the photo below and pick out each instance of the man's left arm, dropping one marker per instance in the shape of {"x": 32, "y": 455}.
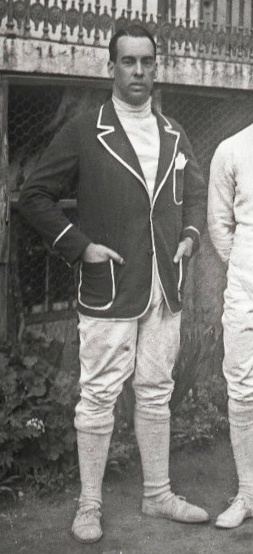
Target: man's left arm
{"x": 194, "y": 202}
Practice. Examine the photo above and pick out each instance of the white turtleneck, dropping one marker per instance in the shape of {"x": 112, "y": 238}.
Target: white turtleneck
{"x": 140, "y": 125}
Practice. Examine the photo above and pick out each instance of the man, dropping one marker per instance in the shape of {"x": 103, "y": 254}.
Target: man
{"x": 142, "y": 204}
{"x": 230, "y": 215}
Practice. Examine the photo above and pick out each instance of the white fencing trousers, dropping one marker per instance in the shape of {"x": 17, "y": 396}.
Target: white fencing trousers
{"x": 238, "y": 327}
{"x": 111, "y": 351}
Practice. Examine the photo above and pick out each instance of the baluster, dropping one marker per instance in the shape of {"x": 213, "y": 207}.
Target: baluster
{"x": 63, "y": 23}
{"x": 228, "y": 26}
{"x": 144, "y": 12}
{"x": 159, "y": 40}
{"x": 188, "y": 22}
{"x": 97, "y": 34}
{"x": 201, "y": 27}
{"x": 241, "y": 25}
{"x": 173, "y": 26}
{"x": 10, "y": 22}
{"x": 46, "y": 26}
{"x": 214, "y": 25}
{"x": 129, "y": 10}
{"x": 80, "y": 22}
{"x": 27, "y": 27}
{"x": 113, "y": 10}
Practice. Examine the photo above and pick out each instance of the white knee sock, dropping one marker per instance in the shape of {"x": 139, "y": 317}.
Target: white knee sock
{"x": 241, "y": 433}
{"x": 153, "y": 437}
{"x": 92, "y": 452}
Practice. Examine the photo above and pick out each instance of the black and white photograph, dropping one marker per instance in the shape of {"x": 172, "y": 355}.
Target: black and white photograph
{"x": 126, "y": 277}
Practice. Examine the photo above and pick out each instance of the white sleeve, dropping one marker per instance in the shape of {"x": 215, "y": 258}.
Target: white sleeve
{"x": 221, "y": 222}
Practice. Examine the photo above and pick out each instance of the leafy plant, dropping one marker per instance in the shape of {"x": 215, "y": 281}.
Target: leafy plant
{"x": 202, "y": 415}
{"x": 36, "y": 412}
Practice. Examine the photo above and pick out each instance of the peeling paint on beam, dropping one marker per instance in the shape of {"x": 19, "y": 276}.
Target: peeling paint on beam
{"x": 31, "y": 56}
{"x": 44, "y": 58}
{"x": 205, "y": 73}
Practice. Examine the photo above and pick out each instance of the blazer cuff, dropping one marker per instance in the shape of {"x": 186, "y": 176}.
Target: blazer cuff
{"x": 193, "y": 233}
{"x": 71, "y": 244}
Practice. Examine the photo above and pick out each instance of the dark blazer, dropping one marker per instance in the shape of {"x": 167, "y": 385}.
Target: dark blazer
{"x": 93, "y": 152}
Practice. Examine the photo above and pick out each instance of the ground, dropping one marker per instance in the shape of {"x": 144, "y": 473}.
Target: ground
{"x": 207, "y": 477}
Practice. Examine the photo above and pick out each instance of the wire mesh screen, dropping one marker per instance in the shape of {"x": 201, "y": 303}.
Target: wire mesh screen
{"x": 42, "y": 285}
{"x": 208, "y": 120}
{"x": 31, "y": 120}
{"x": 44, "y": 282}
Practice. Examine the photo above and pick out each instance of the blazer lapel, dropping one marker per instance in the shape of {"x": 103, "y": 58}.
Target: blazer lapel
{"x": 168, "y": 146}
{"x": 113, "y": 137}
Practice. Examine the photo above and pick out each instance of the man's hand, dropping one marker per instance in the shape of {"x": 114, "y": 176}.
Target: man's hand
{"x": 184, "y": 249}
{"x": 97, "y": 253}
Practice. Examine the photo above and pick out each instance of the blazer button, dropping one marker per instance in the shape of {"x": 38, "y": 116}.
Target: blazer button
{"x": 150, "y": 252}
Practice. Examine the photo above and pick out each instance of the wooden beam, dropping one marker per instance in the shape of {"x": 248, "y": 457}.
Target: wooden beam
{"x": 4, "y": 209}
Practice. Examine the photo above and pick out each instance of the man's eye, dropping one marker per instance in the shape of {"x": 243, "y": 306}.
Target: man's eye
{"x": 148, "y": 63}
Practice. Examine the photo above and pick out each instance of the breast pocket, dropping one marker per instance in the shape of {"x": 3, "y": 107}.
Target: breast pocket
{"x": 97, "y": 285}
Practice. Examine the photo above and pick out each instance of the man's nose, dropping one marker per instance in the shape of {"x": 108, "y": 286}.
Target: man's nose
{"x": 138, "y": 68}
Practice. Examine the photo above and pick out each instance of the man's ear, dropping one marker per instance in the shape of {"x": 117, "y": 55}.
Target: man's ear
{"x": 110, "y": 68}
{"x": 156, "y": 70}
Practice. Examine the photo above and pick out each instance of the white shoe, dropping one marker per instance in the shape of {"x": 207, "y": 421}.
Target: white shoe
{"x": 175, "y": 508}
{"x": 86, "y": 526}
{"x": 239, "y": 510}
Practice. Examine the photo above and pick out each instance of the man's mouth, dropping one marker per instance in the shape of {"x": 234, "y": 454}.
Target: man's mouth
{"x": 138, "y": 85}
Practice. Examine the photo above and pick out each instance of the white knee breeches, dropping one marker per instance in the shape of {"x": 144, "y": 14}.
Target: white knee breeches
{"x": 111, "y": 351}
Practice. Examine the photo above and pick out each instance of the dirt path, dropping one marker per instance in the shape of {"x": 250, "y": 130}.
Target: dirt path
{"x": 36, "y": 526}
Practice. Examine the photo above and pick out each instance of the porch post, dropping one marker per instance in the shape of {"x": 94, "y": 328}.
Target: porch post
{"x": 4, "y": 209}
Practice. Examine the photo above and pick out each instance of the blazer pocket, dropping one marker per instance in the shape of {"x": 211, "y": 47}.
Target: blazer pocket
{"x": 178, "y": 186}
{"x": 97, "y": 285}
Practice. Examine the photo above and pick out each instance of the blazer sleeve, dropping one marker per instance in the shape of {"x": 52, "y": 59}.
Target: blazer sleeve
{"x": 39, "y": 199}
{"x": 221, "y": 222}
{"x": 194, "y": 196}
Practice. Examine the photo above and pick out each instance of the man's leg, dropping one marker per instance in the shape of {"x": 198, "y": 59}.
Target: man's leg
{"x": 107, "y": 357}
{"x": 157, "y": 348}
{"x": 238, "y": 370}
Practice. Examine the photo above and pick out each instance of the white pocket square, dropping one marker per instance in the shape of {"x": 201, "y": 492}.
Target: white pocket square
{"x": 180, "y": 161}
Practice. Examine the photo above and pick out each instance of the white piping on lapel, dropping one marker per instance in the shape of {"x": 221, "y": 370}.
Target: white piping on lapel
{"x": 167, "y": 129}
{"x": 108, "y": 129}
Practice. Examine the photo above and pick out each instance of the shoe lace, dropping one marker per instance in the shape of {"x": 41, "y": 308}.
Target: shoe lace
{"x": 237, "y": 501}
{"x": 180, "y": 497}
{"x": 97, "y": 512}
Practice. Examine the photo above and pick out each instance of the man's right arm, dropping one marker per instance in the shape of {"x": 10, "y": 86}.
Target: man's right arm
{"x": 221, "y": 222}
{"x": 39, "y": 199}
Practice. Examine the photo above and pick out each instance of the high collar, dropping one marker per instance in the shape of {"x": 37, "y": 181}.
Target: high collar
{"x": 129, "y": 110}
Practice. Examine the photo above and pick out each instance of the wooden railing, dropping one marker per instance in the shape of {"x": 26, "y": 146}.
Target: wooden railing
{"x": 213, "y": 29}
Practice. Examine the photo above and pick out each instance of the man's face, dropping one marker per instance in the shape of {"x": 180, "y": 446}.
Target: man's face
{"x": 134, "y": 70}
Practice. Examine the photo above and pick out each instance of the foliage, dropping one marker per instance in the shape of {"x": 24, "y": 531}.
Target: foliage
{"x": 37, "y": 438}
{"x": 202, "y": 415}
{"x": 197, "y": 347}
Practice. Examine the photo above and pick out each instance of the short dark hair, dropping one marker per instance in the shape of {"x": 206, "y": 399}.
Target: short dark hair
{"x": 130, "y": 31}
